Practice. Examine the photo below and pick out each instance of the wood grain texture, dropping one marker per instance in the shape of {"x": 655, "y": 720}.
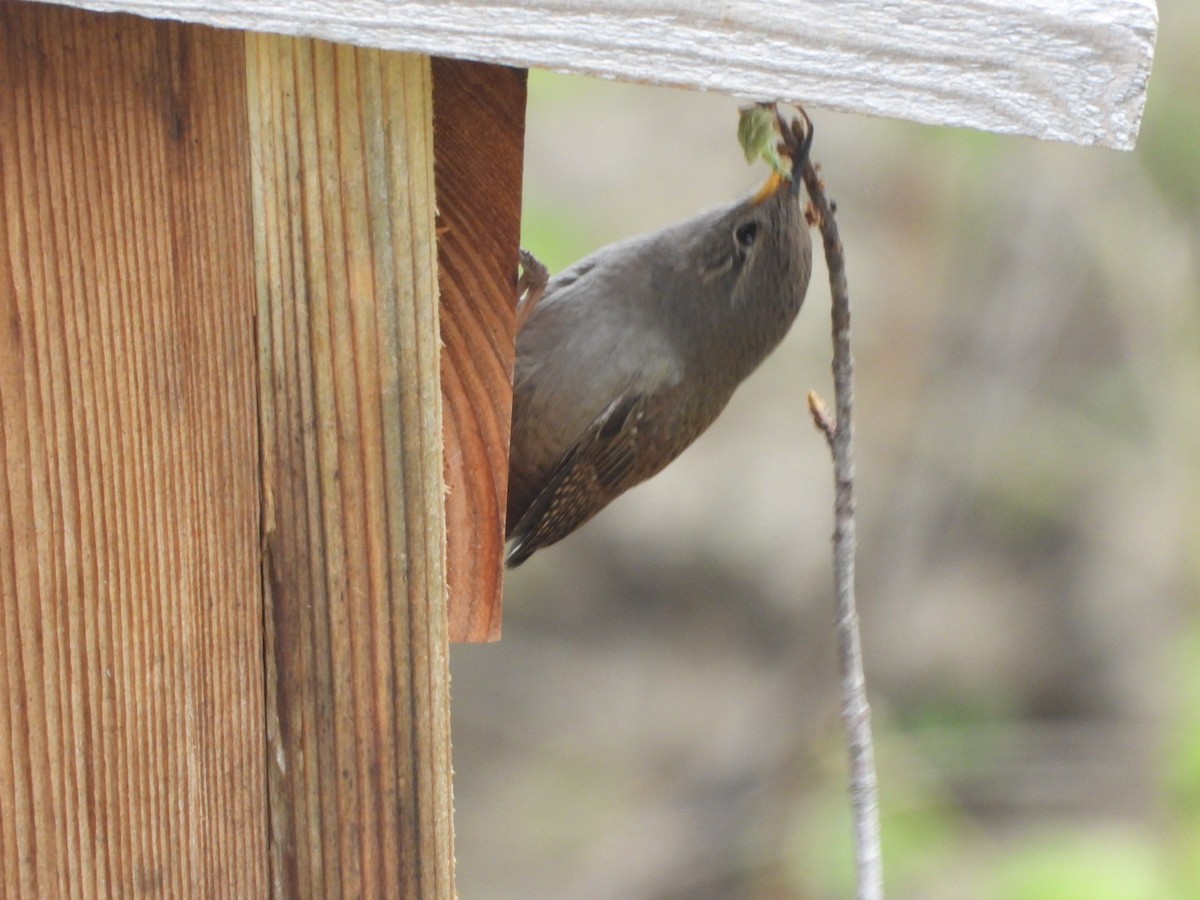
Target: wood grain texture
{"x": 1071, "y": 70}
{"x": 357, "y": 674}
{"x": 479, "y": 140}
{"x": 131, "y": 703}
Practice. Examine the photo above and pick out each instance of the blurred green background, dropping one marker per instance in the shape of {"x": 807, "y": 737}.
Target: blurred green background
{"x": 661, "y": 718}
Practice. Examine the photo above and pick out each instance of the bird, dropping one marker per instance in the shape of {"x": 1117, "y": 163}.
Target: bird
{"x": 628, "y": 355}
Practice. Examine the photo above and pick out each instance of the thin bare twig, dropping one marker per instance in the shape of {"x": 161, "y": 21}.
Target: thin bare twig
{"x": 856, "y": 713}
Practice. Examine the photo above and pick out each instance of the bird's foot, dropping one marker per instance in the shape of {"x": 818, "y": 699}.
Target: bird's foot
{"x": 530, "y": 286}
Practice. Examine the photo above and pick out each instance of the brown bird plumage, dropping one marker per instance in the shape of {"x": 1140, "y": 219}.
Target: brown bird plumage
{"x": 631, "y": 354}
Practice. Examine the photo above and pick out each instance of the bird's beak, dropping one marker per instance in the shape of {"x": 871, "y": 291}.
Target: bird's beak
{"x": 767, "y": 191}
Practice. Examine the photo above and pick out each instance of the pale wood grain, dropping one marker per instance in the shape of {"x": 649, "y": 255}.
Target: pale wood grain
{"x": 479, "y": 139}
{"x": 131, "y": 702}
{"x": 1071, "y": 70}
{"x": 358, "y": 702}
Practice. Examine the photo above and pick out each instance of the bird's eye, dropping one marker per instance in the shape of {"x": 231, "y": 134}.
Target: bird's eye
{"x": 745, "y": 234}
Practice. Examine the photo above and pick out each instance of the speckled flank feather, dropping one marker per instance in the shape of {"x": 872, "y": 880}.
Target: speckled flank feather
{"x": 633, "y": 352}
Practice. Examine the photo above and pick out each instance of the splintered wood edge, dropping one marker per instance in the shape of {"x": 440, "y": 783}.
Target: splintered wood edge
{"x": 1068, "y": 70}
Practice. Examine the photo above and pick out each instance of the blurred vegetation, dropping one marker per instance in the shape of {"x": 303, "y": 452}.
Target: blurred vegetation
{"x": 660, "y": 720}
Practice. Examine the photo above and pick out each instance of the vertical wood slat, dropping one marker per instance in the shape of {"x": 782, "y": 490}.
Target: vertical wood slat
{"x": 357, "y": 695}
{"x": 131, "y": 703}
{"x": 479, "y": 138}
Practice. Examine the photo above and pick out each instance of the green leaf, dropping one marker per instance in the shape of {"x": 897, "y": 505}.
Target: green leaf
{"x": 759, "y": 136}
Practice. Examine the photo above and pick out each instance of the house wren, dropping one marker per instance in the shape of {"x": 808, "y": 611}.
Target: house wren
{"x": 631, "y": 353}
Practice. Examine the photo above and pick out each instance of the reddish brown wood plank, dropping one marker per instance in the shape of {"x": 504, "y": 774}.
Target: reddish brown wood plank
{"x": 479, "y": 140}
{"x": 131, "y": 703}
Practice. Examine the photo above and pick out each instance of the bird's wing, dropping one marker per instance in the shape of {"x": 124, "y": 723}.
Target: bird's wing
{"x": 602, "y": 464}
